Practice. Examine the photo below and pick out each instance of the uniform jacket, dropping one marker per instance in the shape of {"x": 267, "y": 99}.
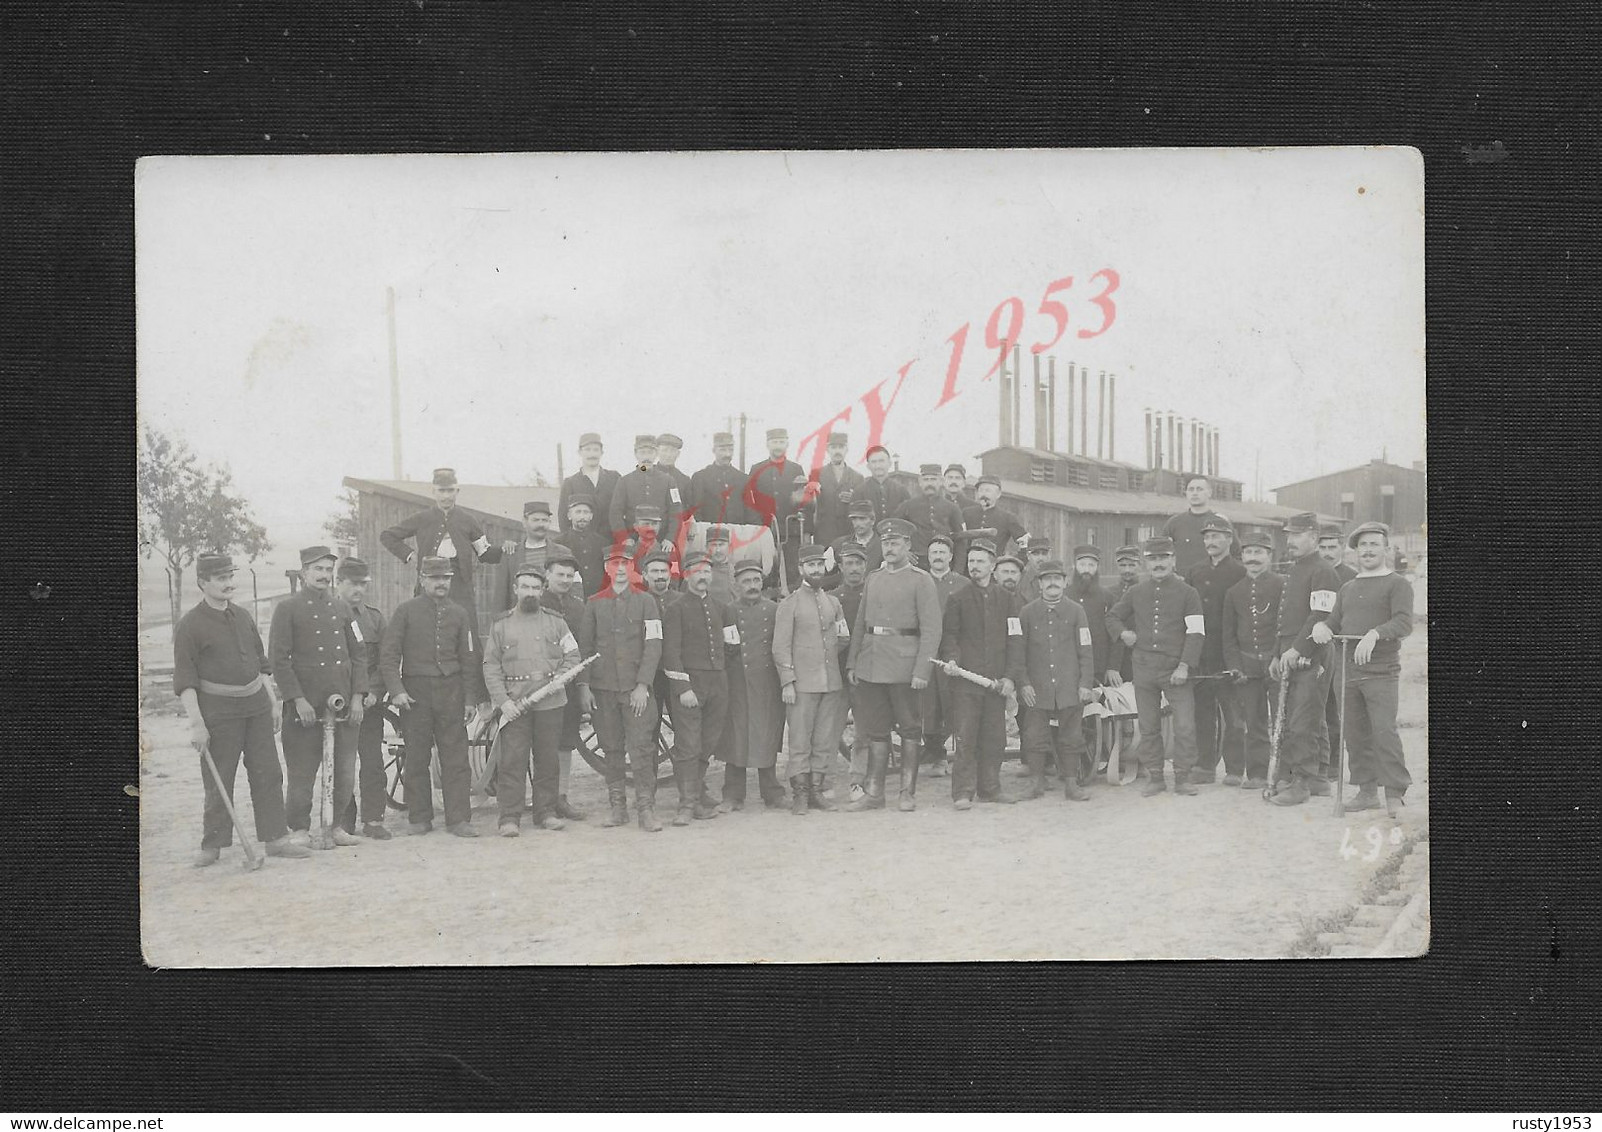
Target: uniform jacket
{"x": 524, "y": 651}
{"x": 975, "y": 517}
{"x": 932, "y": 515}
{"x": 1058, "y": 656}
{"x": 224, "y": 647}
{"x": 369, "y": 631}
{"x": 1107, "y": 650}
{"x": 756, "y": 713}
{"x": 1308, "y": 598}
{"x": 590, "y": 546}
{"x": 602, "y": 488}
{"x": 1344, "y": 573}
{"x": 651, "y": 486}
{"x": 897, "y": 629}
{"x": 627, "y": 632}
{"x": 314, "y": 649}
{"x": 984, "y": 633}
{"x": 949, "y": 583}
{"x": 681, "y": 502}
{"x": 809, "y": 632}
{"x": 1185, "y": 529}
{"x": 428, "y": 530}
{"x": 429, "y": 638}
{"x": 694, "y": 637}
{"x": 524, "y": 554}
{"x": 769, "y": 490}
{"x": 830, "y": 516}
{"x": 1251, "y": 623}
{"x": 887, "y": 496}
{"x": 850, "y": 599}
{"x": 1211, "y": 582}
{"x": 717, "y": 492}
{"x": 871, "y": 550}
{"x": 720, "y": 586}
{"x": 1165, "y": 616}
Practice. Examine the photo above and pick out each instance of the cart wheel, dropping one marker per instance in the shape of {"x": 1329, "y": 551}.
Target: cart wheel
{"x": 664, "y": 746}
{"x": 394, "y": 759}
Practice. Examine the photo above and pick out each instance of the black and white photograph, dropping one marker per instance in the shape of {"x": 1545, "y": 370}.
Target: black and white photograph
{"x": 782, "y": 557}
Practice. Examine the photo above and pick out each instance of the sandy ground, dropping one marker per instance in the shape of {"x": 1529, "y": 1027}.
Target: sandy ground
{"x": 1119, "y": 877}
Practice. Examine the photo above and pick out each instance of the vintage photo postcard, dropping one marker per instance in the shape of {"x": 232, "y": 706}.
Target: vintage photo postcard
{"x": 782, "y": 557}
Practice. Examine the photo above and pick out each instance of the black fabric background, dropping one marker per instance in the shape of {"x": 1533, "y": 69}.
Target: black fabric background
{"x": 1504, "y": 1011}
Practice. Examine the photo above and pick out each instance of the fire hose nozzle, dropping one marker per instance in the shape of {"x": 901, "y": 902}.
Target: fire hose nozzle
{"x": 336, "y": 703}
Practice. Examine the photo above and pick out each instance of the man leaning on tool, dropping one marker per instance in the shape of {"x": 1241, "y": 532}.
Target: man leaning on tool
{"x": 429, "y": 658}
{"x": 218, "y": 672}
{"x": 1251, "y": 617}
{"x": 893, "y": 644}
{"x": 312, "y": 646}
{"x": 1160, "y": 619}
{"x": 1308, "y": 598}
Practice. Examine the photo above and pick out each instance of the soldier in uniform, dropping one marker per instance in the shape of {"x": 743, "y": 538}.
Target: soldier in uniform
{"x": 1185, "y": 528}
{"x": 1130, "y": 570}
{"x": 1250, "y": 625}
{"x": 219, "y": 669}
{"x": 561, "y": 597}
{"x": 717, "y": 491}
{"x": 893, "y": 643}
{"x": 1038, "y": 550}
{"x": 1215, "y": 699}
{"x": 1107, "y": 651}
{"x": 592, "y": 480}
{"x": 722, "y": 586}
{"x": 429, "y": 659}
{"x": 983, "y": 634}
{"x": 312, "y": 646}
{"x": 446, "y": 531}
{"x": 755, "y": 731}
{"x": 862, "y": 536}
{"x": 1059, "y": 669}
{"x": 1160, "y": 618}
{"x": 809, "y": 634}
{"x": 1308, "y": 598}
{"x": 931, "y": 513}
{"x": 697, "y": 630}
{"x": 1009, "y": 572}
{"x": 955, "y": 484}
{"x": 367, "y": 626}
{"x": 837, "y": 485}
{"x": 938, "y": 708}
{"x": 773, "y": 493}
{"x": 884, "y": 493}
{"x": 528, "y": 646}
{"x": 853, "y": 564}
{"x": 1332, "y": 549}
{"x": 1377, "y": 606}
{"x": 986, "y": 518}
{"x": 589, "y": 545}
{"x": 625, "y": 629}
{"x": 645, "y": 485}
{"x": 534, "y": 550}
{"x": 680, "y": 506}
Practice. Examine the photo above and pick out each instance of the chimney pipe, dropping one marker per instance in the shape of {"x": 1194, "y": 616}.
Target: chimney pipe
{"x": 1216, "y": 463}
{"x": 1112, "y": 416}
{"x": 1017, "y": 397}
{"x": 1173, "y": 441}
{"x": 1002, "y": 417}
{"x": 1040, "y": 407}
{"x": 1148, "y": 437}
{"x": 1084, "y": 412}
{"x": 1101, "y": 411}
{"x": 1068, "y": 441}
{"x": 1051, "y": 403}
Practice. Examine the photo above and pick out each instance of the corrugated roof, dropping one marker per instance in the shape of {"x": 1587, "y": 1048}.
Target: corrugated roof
{"x": 1349, "y": 471}
{"x": 503, "y": 501}
{"x": 1046, "y": 454}
{"x": 1097, "y": 502}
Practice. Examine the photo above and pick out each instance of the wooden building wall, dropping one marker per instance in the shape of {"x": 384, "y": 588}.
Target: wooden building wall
{"x": 394, "y": 581}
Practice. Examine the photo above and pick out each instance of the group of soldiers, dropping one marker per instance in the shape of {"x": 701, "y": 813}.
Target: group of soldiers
{"x": 860, "y": 616}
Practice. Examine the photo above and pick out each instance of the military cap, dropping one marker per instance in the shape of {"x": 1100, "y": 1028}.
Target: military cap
{"x": 719, "y": 438}
{"x": 812, "y": 552}
{"x": 444, "y": 477}
{"x": 746, "y": 566}
{"x": 1128, "y": 551}
{"x": 1085, "y": 550}
{"x": 668, "y": 440}
{"x": 1013, "y": 558}
{"x": 983, "y": 544}
{"x": 530, "y": 568}
{"x": 590, "y": 438}
{"x": 586, "y": 500}
{"x": 436, "y": 567}
{"x": 355, "y": 570}
{"x": 717, "y": 534}
{"x": 644, "y": 440}
{"x": 694, "y": 559}
{"x": 877, "y": 448}
{"x": 1303, "y": 521}
{"x": 853, "y": 550}
{"x": 1220, "y": 524}
{"x": 1038, "y": 545}
{"x": 656, "y": 554}
{"x": 210, "y": 565}
{"x": 536, "y": 507}
{"x": 1326, "y": 530}
{"x": 928, "y": 469}
{"x": 861, "y": 508}
{"x": 647, "y": 513}
{"x": 1257, "y": 538}
{"x": 559, "y": 553}
{"x": 1157, "y": 547}
{"x": 992, "y": 480}
{"x": 311, "y": 554}
{"x": 944, "y": 540}
{"x": 617, "y": 556}
{"x": 895, "y": 528}
{"x": 1051, "y": 566}
{"x": 956, "y": 468}
{"x": 1368, "y": 528}
{"x": 778, "y": 434}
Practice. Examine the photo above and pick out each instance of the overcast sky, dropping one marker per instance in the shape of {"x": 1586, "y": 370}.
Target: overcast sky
{"x": 1276, "y": 294}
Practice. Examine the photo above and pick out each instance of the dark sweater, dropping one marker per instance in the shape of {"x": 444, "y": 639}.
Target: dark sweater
{"x": 1382, "y": 603}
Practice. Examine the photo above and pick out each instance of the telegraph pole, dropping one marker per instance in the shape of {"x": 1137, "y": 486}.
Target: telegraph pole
{"x": 394, "y": 389}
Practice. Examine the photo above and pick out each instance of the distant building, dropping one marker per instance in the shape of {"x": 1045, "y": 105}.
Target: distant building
{"x": 1379, "y": 490}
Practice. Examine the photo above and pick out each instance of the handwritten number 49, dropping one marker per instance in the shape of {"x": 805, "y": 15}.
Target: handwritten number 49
{"x": 1376, "y": 841}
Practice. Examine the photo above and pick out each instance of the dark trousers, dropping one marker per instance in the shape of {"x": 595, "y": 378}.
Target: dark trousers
{"x": 621, "y": 734}
{"x": 303, "y": 754}
{"x": 1304, "y": 719}
{"x": 1218, "y": 729}
{"x": 370, "y": 778}
{"x": 698, "y": 730}
{"x": 1332, "y": 719}
{"x": 1327, "y": 732}
{"x": 1372, "y": 741}
{"x": 1152, "y": 671}
{"x": 252, "y": 738}
{"x": 435, "y": 719}
{"x": 937, "y": 708}
{"x": 979, "y": 727}
{"x": 1043, "y": 743}
{"x": 881, "y": 707}
{"x": 534, "y": 734}
{"x": 1257, "y": 699}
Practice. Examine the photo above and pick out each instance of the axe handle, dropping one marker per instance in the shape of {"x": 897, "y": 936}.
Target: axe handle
{"x": 244, "y": 838}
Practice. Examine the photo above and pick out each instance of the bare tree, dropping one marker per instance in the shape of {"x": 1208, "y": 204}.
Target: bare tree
{"x": 344, "y": 525}
{"x": 187, "y": 507}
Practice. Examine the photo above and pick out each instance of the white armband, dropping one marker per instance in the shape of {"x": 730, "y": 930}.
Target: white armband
{"x": 1084, "y": 635}
{"x": 480, "y": 545}
{"x": 357, "y": 631}
{"x": 1014, "y": 627}
{"x": 653, "y": 629}
{"x": 671, "y": 675}
{"x": 568, "y": 643}
{"x": 842, "y": 628}
{"x": 1322, "y": 601}
{"x": 1195, "y": 623}
{"x": 731, "y": 635}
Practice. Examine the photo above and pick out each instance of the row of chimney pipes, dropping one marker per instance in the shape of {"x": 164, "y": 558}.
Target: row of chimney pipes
{"x": 1171, "y": 442}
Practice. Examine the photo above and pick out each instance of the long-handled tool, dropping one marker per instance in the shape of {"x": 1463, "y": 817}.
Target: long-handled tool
{"x": 952, "y": 668}
{"x": 511, "y": 709}
{"x": 1340, "y": 755}
{"x": 1277, "y": 733}
{"x": 334, "y": 707}
{"x": 252, "y": 861}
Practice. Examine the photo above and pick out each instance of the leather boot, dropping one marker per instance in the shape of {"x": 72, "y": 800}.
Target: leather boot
{"x": 990, "y": 781}
{"x": 1070, "y": 782}
{"x": 768, "y": 785}
{"x": 1293, "y": 793}
{"x": 798, "y": 796}
{"x": 873, "y": 781}
{"x": 911, "y": 752}
{"x": 816, "y": 798}
{"x": 1036, "y": 762}
{"x": 734, "y": 783}
{"x": 617, "y": 797}
{"x": 1155, "y": 783}
{"x": 645, "y": 798}
{"x": 567, "y": 812}
{"x": 684, "y": 779}
{"x": 706, "y": 806}
{"x": 1367, "y": 798}
{"x": 1394, "y": 801}
{"x": 705, "y": 795}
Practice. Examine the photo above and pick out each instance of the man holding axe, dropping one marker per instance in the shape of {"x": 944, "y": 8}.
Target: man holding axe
{"x": 218, "y": 672}
{"x": 1376, "y": 610}
{"x": 1308, "y": 598}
